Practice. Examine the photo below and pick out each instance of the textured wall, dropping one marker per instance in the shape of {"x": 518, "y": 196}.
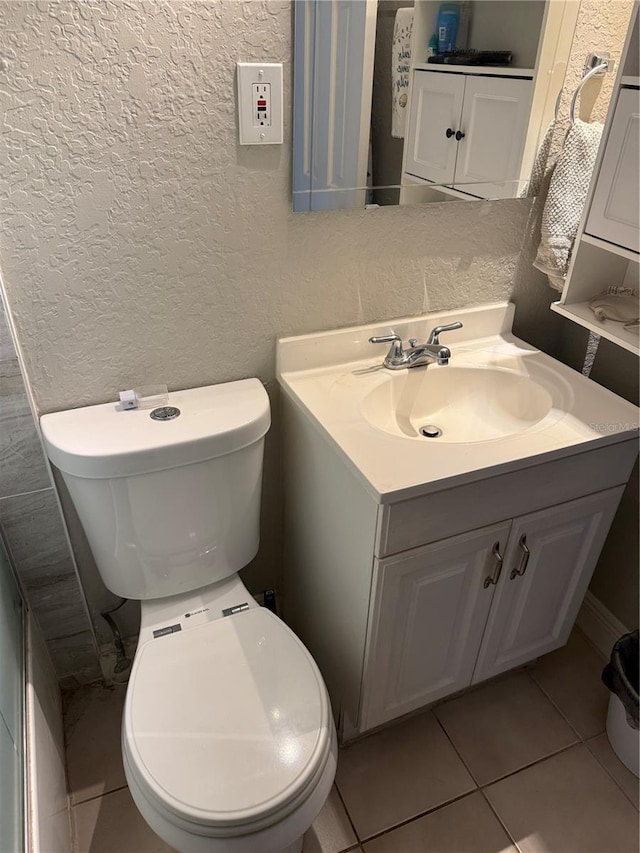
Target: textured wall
{"x": 140, "y": 243}
{"x": 601, "y": 26}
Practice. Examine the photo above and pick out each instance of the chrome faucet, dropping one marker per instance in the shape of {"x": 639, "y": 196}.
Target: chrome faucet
{"x": 416, "y": 354}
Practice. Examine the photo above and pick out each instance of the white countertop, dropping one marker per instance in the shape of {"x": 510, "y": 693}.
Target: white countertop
{"x": 323, "y": 374}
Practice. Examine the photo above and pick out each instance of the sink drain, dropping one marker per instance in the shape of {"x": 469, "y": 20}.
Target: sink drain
{"x": 430, "y": 431}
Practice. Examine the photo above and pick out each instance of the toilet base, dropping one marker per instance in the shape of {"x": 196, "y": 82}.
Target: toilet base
{"x": 276, "y": 838}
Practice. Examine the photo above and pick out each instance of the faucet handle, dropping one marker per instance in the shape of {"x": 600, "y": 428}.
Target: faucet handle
{"x": 434, "y": 337}
{"x": 385, "y": 339}
{"x": 396, "y": 345}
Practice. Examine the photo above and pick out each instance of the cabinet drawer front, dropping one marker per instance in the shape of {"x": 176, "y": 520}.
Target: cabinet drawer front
{"x": 427, "y": 621}
{"x": 408, "y": 524}
{"x": 548, "y": 566}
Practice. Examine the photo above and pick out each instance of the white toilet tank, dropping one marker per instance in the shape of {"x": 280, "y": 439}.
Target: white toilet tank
{"x": 168, "y": 505}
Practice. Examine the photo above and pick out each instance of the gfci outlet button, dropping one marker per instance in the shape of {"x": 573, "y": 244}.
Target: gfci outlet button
{"x": 260, "y": 103}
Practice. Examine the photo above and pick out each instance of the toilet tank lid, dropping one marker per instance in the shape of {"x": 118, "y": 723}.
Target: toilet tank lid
{"x": 103, "y": 441}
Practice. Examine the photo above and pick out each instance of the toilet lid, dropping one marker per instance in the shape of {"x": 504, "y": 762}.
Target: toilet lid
{"x": 227, "y": 723}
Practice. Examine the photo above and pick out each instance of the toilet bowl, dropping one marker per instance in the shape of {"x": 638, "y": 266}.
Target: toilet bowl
{"x": 228, "y": 741}
{"x": 227, "y": 736}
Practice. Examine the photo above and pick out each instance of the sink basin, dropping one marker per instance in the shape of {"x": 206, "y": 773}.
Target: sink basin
{"x": 457, "y": 404}
{"x": 498, "y": 405}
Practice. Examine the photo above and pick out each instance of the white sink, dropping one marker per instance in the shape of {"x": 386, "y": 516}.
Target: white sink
{"x": 457, "y": 404}
{"x": 500, "y": 403}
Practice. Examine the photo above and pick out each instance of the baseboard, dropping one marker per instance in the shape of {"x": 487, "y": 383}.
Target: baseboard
{"x": 599, "y": 624}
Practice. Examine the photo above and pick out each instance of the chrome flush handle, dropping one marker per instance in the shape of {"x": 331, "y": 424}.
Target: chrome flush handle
{"x": 493, "y": 579}
{"x": 524, "y": 559}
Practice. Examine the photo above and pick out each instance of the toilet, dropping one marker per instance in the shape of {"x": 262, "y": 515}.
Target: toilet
{"x": 228, "y": 740}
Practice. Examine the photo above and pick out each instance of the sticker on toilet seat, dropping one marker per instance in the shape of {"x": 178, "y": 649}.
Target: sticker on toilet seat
{"x": 229, "y": 611}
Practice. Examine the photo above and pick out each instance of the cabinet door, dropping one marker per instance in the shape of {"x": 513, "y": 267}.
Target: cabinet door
{"x": 614, "y": 210}
{"x": 430, "y": 609}
{"x": 495, "y": 117}
{"x": 436, "y": 106}
{"x": 549, "y": 561}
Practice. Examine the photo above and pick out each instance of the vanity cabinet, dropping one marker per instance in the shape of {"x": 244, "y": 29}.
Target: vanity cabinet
{"x": 411, "y": 569}
{"x": 467, "y": 129}
{"x": 466, "y": 608}
{"x": 430, "y": 609}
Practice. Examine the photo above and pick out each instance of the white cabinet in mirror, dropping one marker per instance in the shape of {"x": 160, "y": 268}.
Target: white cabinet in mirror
{"x": 372, "y": 110}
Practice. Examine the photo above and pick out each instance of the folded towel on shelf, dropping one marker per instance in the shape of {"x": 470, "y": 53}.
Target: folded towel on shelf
{"x": 565, "y": 200}
{"x": 400, "y": 65}
{"x": 540, "y": 165}
{"x": 617, "y": 303}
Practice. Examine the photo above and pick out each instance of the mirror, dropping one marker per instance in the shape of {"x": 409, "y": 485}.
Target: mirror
{"x": 377, "y": 120}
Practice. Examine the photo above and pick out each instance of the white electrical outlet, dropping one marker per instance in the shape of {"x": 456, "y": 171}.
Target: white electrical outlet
{"x": 260, "y": 103}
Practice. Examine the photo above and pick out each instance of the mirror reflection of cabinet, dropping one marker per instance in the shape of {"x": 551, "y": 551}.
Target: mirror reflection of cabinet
{"x": 498, "y": 113}
{"x": 468, "y": 129}
{"x": 343, "y": 75}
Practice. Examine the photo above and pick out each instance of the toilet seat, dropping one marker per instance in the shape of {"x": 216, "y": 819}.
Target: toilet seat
{"x": 227, "y": 726}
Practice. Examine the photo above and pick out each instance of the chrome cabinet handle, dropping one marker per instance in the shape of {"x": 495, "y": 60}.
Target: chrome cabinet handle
{"x": 524, "y": 559}
{"x": 493, "y": 579}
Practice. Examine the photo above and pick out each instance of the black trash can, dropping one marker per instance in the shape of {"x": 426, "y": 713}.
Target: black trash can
{"x": 621, "y": 675}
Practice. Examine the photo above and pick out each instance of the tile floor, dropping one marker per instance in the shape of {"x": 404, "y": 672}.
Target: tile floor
{"x": 520, "y": 764}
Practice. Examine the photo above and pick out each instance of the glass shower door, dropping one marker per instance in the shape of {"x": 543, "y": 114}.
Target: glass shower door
{"x": 12, "y": 685}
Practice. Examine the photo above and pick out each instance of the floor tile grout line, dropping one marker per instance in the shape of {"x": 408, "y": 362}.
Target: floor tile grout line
{"x": 480, "y": 789}
{"x": 606, "y": 769}
{"x": 559, "y": 709}
{"x": 509, "y": 835}
{"x": 418, "y": 816}
{"x": 97, "y": 796}
{"x": 530, "y": 764}
{"x": 456, "y": 750}
{"x": 346, "y": 810}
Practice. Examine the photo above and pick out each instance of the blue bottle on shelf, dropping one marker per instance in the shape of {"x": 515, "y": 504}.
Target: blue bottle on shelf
{"x": 447, "y": 26}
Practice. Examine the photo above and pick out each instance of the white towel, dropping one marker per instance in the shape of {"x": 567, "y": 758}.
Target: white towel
{"x": 565, "y": 200}
{"x": 540, "y": 165}
{"x": 400, "y": 65}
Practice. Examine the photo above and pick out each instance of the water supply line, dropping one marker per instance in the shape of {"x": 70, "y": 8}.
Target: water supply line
{"x": 122, "y": 661}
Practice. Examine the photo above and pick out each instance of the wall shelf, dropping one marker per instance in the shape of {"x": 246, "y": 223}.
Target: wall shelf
{"x": 610, "y": 259}
{"x": 580, "y": 313}
{"x": 621, "y": 251}
{"x": 493, "y": 70}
